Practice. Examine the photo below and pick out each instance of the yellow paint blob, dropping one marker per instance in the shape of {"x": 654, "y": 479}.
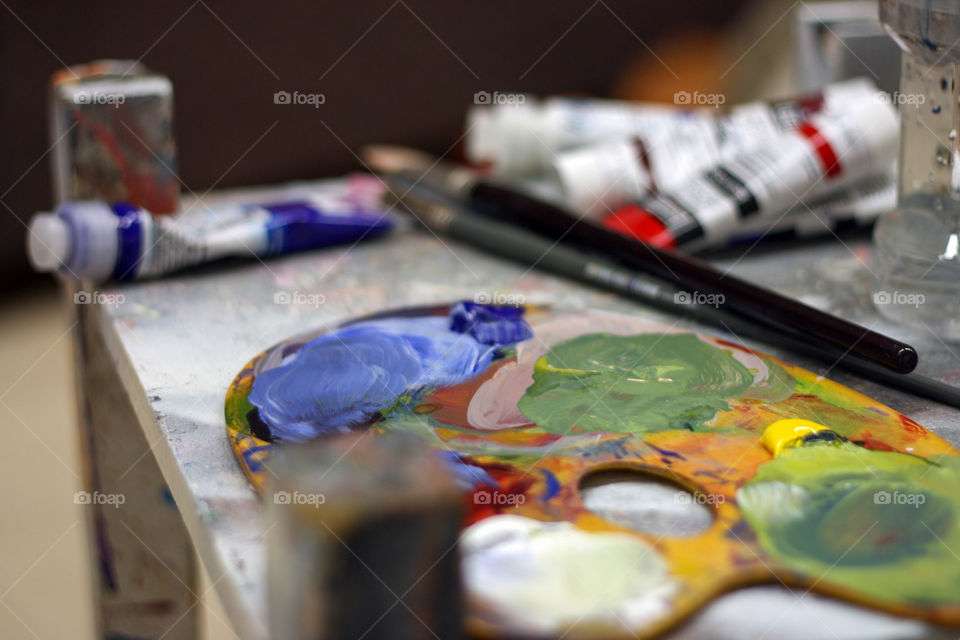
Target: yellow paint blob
{"x": 789, "y": 432}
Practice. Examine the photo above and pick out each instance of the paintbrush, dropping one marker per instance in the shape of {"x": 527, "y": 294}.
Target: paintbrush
{"x": 759, "y": 304}
{"x": 449, "y": 218}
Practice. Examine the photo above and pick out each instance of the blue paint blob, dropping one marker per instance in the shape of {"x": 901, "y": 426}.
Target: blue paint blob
{"x": 345, "y": 378}
{"x": 666, "y": 453}
{"x": 552, "y": 484}
{"x": 468, "y": 475}
{"x": 251, "y": 458}
{"x": 490, "y": 324}
{"x": 167, "y": 497}
{"x": 301, "y": 399}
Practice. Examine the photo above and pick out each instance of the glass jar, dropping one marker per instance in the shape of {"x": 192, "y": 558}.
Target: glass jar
{"x": 917, "y": 245}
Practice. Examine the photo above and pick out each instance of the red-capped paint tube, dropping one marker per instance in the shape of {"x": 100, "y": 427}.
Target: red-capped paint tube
{"x": 599, "y": 177}
{"x": 825, "y": 153}
{"x": 523, "y": 135}
{"x": 855, "y": 207}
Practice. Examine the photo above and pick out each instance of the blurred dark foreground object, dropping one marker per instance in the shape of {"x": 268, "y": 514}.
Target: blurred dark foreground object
{"x": 362, "y": 541}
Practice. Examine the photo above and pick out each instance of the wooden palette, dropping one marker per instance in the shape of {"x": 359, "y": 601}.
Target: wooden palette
{"x": 870, "y": 515}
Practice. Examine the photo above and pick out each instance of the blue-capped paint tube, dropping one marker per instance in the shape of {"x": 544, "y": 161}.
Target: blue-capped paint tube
{"x": 101, "y": 241}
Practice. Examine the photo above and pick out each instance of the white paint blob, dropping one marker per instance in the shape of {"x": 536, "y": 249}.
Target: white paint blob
{"x": 554, "y": 578}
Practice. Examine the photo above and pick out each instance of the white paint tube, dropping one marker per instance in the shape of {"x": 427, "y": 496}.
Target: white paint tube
{"x": 524, "y": 136}
{"x": 824, "y": 154}
{"x": 599, "y": 177}
{"x": 856, "y": 207}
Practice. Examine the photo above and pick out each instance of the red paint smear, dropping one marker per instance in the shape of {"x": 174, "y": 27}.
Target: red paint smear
{"x": 142, "y": 188}
{"x": 732, "y": 345}
{"x": 889, "y": 539}
{"x": 485, "y": 501}
{"x": 867, "y": 440}
{"x": 912, "y": 427}
{"x": 450, "y": 403}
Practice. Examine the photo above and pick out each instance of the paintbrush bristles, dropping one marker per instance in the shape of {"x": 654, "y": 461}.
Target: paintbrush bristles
{"x": 384, "y": 158}
{"x": 421, "y": 168}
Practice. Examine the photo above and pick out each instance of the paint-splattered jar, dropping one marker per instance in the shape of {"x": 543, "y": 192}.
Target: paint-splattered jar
{"x": 917, "y": 246}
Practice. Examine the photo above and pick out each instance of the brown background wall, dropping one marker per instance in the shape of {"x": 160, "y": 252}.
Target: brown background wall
{"x": 392, "y": 71}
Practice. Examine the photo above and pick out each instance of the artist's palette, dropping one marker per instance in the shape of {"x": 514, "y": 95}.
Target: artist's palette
{"x": 850, "y": 498}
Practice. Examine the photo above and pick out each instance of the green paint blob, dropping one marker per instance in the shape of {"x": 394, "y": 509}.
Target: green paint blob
{"x": 628, "y": 384}
{"x": 878, "y": 522}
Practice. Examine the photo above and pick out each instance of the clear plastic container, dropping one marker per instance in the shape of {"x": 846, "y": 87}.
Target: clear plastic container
{"x": 917, "y": 245}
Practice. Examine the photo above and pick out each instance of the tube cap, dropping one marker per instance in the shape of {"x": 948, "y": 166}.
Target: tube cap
{"x": 81, "y": 237}
{"x": 48, "y": 242}
{"x": 600, "y": 177}
{"x": 509, "y": 137}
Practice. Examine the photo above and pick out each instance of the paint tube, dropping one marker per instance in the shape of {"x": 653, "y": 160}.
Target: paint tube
{"x": 524, "y": 136}
{"x": 599, "y": 177}
{"x": 101, "y": 241}
{"x": 856, "y": 207}
{"x": 824, "y": 154}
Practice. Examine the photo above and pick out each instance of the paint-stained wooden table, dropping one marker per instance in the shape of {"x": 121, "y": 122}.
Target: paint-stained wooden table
{"x": 155, "y": 359}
